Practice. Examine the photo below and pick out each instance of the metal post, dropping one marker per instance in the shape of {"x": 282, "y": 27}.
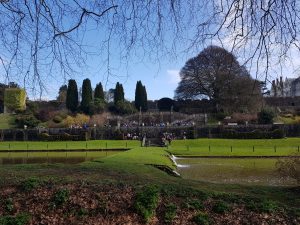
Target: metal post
{"x": 275, "y": 148}
{"x": 231, "y": 148}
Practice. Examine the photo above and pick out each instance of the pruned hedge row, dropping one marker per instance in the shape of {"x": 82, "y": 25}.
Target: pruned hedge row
{"x": 255, "y": 134}
{"x": 63, "y": 137}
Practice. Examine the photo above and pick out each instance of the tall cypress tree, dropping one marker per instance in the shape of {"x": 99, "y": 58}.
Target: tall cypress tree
{"x": 144, "y": 99}
{"x": 87, "y": 95}
{"x": 99, "y": 93}
{"x": 122, "y": 98}
{"x": 140, "y": 96}
{"x": 119, "y": 93}
{"x": 72, "y": 96}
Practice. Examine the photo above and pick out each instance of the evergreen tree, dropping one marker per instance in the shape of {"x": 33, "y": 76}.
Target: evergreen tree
{"x": 140, "y": 96}
{"x": 99, "y": 93}
{"x": 72, "y": 96}
{"x": 144, "y": 99}
{"x": 119, "y": 93}
{"x": 87, "y": 96}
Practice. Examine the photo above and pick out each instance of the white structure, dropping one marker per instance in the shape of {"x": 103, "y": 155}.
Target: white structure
{"x": 290, "y": 87}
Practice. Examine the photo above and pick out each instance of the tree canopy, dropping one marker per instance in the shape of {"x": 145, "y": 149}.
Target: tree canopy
{"x": 216, "y": 74}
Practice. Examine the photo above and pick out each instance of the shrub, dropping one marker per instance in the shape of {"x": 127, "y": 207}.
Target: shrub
{"x": 266, "y": 206}
{"x": 79, "y": 119}
{"x": 266, "y": 116}
{"x": 124, "y": 107}
{"x": 201, "y": 219}
{"x": 30, "y": 184}
{"x": 57, "y": 119}
{"x": 9, "y": 205}
{"x": 29, "y": 120}
{"x": 146, "y": 202}
{"x": 60, "y": 197}
{"x": 43, "y": 115}
{"x": 194, "y": 204}
{"x": 20, "y": 219}
{"x": 220, "y": 207}
{"x": 170, "y": 213}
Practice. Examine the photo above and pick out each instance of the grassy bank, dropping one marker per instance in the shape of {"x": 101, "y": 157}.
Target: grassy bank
{"x": 234, "y": 147}
{"x": 134, "y": 169}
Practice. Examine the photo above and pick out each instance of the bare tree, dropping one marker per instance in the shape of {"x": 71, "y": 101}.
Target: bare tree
{"x": 39, "y": 38}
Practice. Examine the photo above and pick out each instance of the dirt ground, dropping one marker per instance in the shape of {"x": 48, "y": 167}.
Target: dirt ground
{"x": 102, "y": 204}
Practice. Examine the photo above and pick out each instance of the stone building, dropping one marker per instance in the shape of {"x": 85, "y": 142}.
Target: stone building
{"x": 290, "y": 87}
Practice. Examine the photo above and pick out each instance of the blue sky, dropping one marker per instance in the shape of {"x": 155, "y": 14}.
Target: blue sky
{"x": 158, "y": 70}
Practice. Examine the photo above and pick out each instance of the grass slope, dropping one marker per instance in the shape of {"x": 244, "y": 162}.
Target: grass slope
{"x": 234, "y": 147}
{"x": 6, "y": 121}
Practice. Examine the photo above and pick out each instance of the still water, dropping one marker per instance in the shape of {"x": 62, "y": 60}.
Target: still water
{"x": 51, "y": 157}
{"x": 260, "y": 171}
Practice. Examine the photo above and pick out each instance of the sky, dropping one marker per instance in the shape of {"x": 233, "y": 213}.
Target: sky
{"x": 159, "y": 75}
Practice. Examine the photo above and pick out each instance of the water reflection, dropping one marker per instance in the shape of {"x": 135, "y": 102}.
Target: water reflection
{"x": 51, "y": 157}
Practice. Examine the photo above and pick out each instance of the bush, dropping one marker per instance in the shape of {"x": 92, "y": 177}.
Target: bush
{"x": 9, "y": 205}
{"x": 83, "y": 136}
{"x": 29, "y": 120}
{"x": 60, "y": 197}
{"x": 194, "y": 204}
{"x": 266, "y": 206}
{"x": 124, "y": 107}
{"x": 79, "y": 119}
{"x": 97, "y": 106}
{"x": 146, "y": 202}
{"x": 20, "y": 219}
{"x": 57, "y": 119}
{"x": 201, "y": 219}
{"x": 266, "y": 116}
{"x": 170, "y": 213}
{"x": 220, "y": 207}
{"x": 30, "y": 184}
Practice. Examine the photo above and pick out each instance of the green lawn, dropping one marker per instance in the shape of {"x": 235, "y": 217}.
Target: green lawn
{"x": 67, "y": 145}
{"x": 7, "y": 121}
{"x": 235, "y": 147}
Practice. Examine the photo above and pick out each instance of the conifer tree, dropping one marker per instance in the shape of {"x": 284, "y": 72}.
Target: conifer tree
{"x": 72, "y": 96}
{"x": 119, "y": 93}
{"x": 87, "y": 95}
{"x": 99, "y": 93}
{"x": 140, "y": 96}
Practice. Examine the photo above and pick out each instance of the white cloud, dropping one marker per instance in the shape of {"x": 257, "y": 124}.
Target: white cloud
{"x": 173, "y": 76}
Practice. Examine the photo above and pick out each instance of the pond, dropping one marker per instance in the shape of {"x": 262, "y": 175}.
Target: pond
{"x": 260, "y": 171}
{"x": 67, "y": 157}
